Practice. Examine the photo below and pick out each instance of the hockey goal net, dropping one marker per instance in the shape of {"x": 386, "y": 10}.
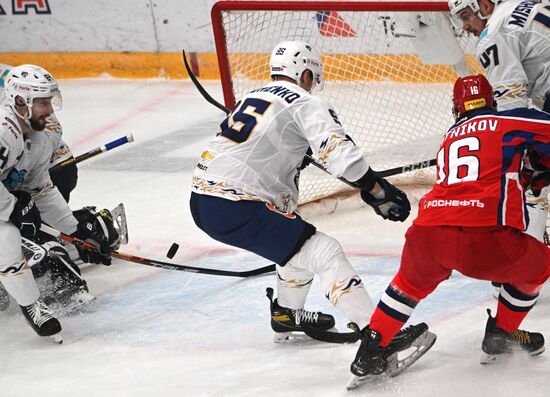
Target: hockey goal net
{"x": 388, "y": 69}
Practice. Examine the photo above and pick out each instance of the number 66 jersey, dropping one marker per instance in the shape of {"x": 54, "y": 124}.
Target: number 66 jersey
{"x": 478, "y": 169}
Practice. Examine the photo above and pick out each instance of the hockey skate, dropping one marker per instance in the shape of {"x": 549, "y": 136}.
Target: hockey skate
{"x": 42, "y": 321}
{"x": 287, "y": 323}
{"x": 498, "y": 343}
{"x": 404, "y": 350}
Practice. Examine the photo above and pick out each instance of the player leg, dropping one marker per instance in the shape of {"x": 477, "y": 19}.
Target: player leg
{"x": 422, "y": 269}
{"x": 516, "y": 299}
{"x": 340, "y": 282}
{"x": 259, "y": 228}
{"x": 17, "y": 279}
{"x": 522, "y": 264}
{"x": 65, "y": 179}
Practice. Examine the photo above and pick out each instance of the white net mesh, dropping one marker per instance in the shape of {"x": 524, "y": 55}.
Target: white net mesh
{"x": 393, "y": 105}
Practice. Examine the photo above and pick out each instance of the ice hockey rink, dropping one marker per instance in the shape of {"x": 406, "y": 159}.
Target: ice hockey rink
{"x": 154, "y": 332}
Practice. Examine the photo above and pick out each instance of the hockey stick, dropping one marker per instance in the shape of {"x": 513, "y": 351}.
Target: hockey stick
{"x": 383, "y": 174}
{"x": 160, "y": 264}
{"x": 94, "y": 152}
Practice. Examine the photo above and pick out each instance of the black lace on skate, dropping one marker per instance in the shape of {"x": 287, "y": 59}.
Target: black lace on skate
{"x": 39, "y": 312}
{"x": 301, "y": 315}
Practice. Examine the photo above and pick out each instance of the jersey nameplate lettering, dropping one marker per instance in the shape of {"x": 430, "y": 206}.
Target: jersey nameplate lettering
{"x": 283, "y": 92}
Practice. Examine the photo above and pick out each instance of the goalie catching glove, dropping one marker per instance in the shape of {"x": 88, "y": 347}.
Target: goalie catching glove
{"x": 390, "y": 202}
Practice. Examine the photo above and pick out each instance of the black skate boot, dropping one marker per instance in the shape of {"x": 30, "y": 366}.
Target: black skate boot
{"x": 498, "y": 342}
{"x": 372, "y": 359}
{"x": 284, "y": 321}
{"x": 42, "y": 321}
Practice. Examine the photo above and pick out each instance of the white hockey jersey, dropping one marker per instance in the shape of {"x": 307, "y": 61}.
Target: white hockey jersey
{"x": 514, "y": 50}
{"x": 24, "y": 164}
{"x": 257, "y": 152}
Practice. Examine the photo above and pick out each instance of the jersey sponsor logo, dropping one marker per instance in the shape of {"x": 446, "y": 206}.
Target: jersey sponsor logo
{"x": 453, "y": 203}
{"x": 521, "y": 13}
{"x": 14, "y": 179}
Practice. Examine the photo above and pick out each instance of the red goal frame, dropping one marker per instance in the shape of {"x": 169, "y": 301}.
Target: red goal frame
{"x": 219, "y": 32}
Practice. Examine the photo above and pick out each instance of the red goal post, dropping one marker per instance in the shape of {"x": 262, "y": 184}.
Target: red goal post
{"x": 388, "y": 70}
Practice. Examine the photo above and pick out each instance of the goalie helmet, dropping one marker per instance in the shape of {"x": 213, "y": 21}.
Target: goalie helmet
{"x": 30, "y": 82}
{"x": 291, "y": 58}
{"x": 471, "y": 93}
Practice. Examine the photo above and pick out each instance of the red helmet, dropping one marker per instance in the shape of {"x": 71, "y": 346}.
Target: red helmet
{"x": 470, "y": 93}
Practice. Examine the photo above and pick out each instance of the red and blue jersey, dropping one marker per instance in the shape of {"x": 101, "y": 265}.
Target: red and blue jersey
{"x": 478, "y": 169}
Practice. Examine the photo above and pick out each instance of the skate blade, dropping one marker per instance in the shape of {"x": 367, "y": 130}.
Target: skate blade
{"x": 355, "y": 381}
{"x": 418, "y": 348}
{"x": 295, "y": 336}
{"x": 290, "y": 337}
{"x": 56, "y": 338}
{"x": 396, "y": 365}
{"x": 487, "y": 358}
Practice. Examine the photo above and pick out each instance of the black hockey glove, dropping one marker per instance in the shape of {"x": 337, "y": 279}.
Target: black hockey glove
{"x": 101, "y": 255}
{"x": 394, "y": 205}
{"x": 25, "y": 216}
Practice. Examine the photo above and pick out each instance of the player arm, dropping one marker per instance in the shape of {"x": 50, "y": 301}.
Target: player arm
{"x": 500, "y": 59}
{"x": 342, "y": 158}
{"x": 329, "y": 142}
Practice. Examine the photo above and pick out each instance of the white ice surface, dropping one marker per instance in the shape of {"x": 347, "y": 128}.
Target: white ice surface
{"x": 156, "y": 332}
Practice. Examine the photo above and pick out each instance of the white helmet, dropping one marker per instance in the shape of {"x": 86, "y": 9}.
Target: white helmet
{"x": 456, "y": 6}
{"x": 30, "y": 82}
{"x": 291, "y": 58}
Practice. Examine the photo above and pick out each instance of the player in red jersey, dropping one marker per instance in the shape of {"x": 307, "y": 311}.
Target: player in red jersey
{"x": 472, "y": 221}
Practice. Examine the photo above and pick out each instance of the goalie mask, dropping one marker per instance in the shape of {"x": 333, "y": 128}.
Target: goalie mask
{"x": 291, "y": 58}
{"x": 31, "y": 82}
{"x": 471, "y": 93}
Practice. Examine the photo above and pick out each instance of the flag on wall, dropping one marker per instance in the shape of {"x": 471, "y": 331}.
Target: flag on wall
{"x": 331, "y": 24}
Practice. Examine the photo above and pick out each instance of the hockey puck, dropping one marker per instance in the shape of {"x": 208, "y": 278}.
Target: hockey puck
{"x": 172, "y": 251}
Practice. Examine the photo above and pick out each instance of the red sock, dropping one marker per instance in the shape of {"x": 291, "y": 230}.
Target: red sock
{"x": 385, "y": 325}
{"x": 507, "y": 319}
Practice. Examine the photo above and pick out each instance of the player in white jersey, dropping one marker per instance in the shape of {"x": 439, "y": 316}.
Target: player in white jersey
{"x": 245, "y": 191}
{"x": 27, "y": 196}
{"x": 513, "y": 47}
{"x": 65, "y": 178}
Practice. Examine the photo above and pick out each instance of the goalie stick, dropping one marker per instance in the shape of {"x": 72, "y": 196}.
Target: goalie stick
{"x": 94, "y": 152}
{"x": 383, "y": 174}
{"x": 160, "y": 264}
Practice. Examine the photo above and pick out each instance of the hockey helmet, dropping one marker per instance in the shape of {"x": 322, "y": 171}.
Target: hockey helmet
{"x": 456, "y": 6}
{"x": 30, "y": 82}
{"x": 291, "y": 58}
{"x": 471, "y": 93}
